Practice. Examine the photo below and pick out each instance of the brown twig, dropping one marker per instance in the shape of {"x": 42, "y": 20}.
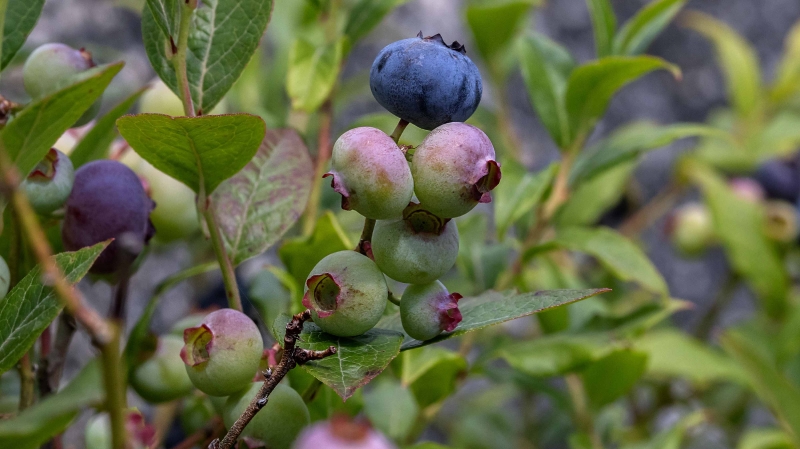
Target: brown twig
{"x": 58, "y": 353}
{"x": 652, "y": 211}
{"x": 26, "y": 382}
{"x": 292, "y": 356}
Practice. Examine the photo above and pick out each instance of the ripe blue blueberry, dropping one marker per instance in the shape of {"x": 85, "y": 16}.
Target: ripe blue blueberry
{"x": 426, "y": 82}
{"x": 780, "y": 180}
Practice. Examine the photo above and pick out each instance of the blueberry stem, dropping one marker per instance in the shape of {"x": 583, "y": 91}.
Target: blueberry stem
{"x": 323, "y": 156}
{"x": 228, "y": 273}
{"x": 393, "y": 299}
{"x": 398, "y": 130}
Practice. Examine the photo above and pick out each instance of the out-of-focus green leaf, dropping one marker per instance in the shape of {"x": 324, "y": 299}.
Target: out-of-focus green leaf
{"x": 52, "y": 415}
{"x": 493, "y": 307}
{"x": 21, "y": 17}
{"x": 601, "y": 388}
{"x": 483, "y": 18}
{"x": 636, "y": 35}
{"x": 675, "y": 354}
{"x": 313, "y": 71}
{"x": 264, "y": 199}
{"x": 300, "y": 254}
{"x": 223, "y": 37}
{"x": 391, "y": 408}
{"x": 431, "y": 373}
{"x": 36, "y": 128}
{"x": 357, "y": 360}
{"x": 765, "y": 438}
{"x": 556, "y": 354}
{"x": 778, "y": 138}
{"x": 737, "y": 58}
{"x": 604, "y": 23}
{"x": 592, "y": 198}
{"x": 591, "y": 86}
{"x": 629, "y": 143}
{"x": 769, "y": 384}
{"x": 636, "y": 322}
{"x": 426, "y": 445}
{"x": 200, "y": 152}
{"x": 546, "y": 67}
{"x": 619, "y": 255}
{"x": 673, "y": 437}
{"x": 94, "y": 145}
{"x": 739, "y": 225}
{"x": 787, "y": 81}
{"x": 518, "y": 194}
{"x": 30, "y": 306}
{"x": 365, "y": 15}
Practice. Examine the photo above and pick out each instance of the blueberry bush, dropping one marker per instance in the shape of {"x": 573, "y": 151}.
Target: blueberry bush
{"x": 407, "y": 280}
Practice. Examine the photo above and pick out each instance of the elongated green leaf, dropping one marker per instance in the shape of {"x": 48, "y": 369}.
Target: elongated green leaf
{"x": 626, "y": 364}
{"x": 546, "y": 66}
{"x": 769, "y": 384}
{"x": 673, "y": 437}
{"x": 36, "y": 128}
{"x": 630, "y": 142}
{"x": 29, "y": 307}
{"x": 519, "y": 193}
{"x": 432, "y": 373}
{"x": 737, "y": 58}
{"x": 21, "y": 17}
{"x": 365, "y": 15}
{"x": 787, "y": 81}
{"x": 300, "y": 254}
{"x": 391, "y": 408}
{"x": 604, "y": 23}
{"x": 51, "y": 416}
{"x": 618, "y": 254}
{"x": 765, "y": 438}
{"x": 261, "y": 202}
{"x": 312, "y": 73}
{"x": 357, "y": 360}
{"x": 591, "y": 86}
{"x": 493, "y": 307}
{"x": 95, "y": 143}
{"x": 167, "y": 15}
{"x": 642, "y": 29}
{"x": 200, "y": 152}
{"x": 224, "y": 35}
{"x": 554, "y": 355}
{"x": 592, "y": 198}
{"x": 483, "y": 19}
{"x": 739, "y": 225}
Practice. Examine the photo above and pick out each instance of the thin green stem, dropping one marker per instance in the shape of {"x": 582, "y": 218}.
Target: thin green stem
{"x": 114, "y": 384}
{"x": 580, "y": 404}
{"x": 3, "y": 9}
{"x": 228, "y": 274}
{"x": 398, "y": 130}
{"x": 26, "y": 382}
{"x": 179, "y": 59}
{"x": 394, "y": 299}
{"x": 311, "y": 391}
{"x": 323, "y": 156}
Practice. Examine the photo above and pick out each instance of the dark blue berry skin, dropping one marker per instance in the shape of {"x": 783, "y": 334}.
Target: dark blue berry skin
{"x": 108, "y": 201}
{"x": 425, "y": 82}
{"x": 780, "y": 180}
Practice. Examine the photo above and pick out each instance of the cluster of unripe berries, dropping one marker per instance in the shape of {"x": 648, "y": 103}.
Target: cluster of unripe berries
{"x": 775, "y": 186}
{"x": 434, "y": 86}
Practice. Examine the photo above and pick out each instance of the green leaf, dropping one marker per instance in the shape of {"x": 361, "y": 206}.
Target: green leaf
{"x": 636, "y": 35}
{"x": 167, "y": 15}
{"x": 619, "y": 255}
{"x": 21, "y": 17}
{"x": 483, "y": 19}
{"x": 95, "y": 143}
{"x": 588, "y": 202}
{"x": 556, "y": 354}
{"x": 674, "y": 354}
{"x": 604, "y": 23}
{"x": 432, "y": 373}
{"x": 51, "y": 416}
{"x": 546, "y": 67}
{"x": 391, "y": 408}
{"x": 737, "y": 58}
{"x": 626, "y": 364}
{"x": 224, "y": 35}
{"x": 519, "y": 193}
{"x": 739, "y": 225}
{"x": 629, "y": 143}
{"x": 365, "y": 15}
{"x": 313, "y": 71}
{"x": 493, "y": 307}
{"x": 29, "y": 307}
{"x": 591, "y": 86}
{"x": 765, "y": 438}
{"x": 787, "y": 81}
{"x": 300, "y": 254}
{"x": 673, "y": 437}
{"x": 357, "y": 360}
{"x": 36, "y": 128}
{"x": 200, "y": 152}
{"x": 260, "y": 203}
{"x": 769, "y": 384}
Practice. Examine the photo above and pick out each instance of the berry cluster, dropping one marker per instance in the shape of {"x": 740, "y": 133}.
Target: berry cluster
{"x": 434, "y": 86}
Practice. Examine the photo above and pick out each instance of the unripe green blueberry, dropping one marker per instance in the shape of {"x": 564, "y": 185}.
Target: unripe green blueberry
{"x": 276, "y": 425}
{"x": 162, "y": 377}
{"x": 346, "y": 293}
{"x": 371, "y": 173}
{"x": 5, "y": 278}
{"x": 454, "y": 169}
{"x": 417, "y": 249}
{"x": 222, "y": 354}
{"x": 49, "y": 184}
{"x": 98, "y": 431}
{"x": 428, "y": 310}
{"x": 53, "y": 66}
{"x": 342, "y": 433}
{"x": 196, "y": 412}
{"x": 691, "y": 229}
{"x": 781, "y": 221}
